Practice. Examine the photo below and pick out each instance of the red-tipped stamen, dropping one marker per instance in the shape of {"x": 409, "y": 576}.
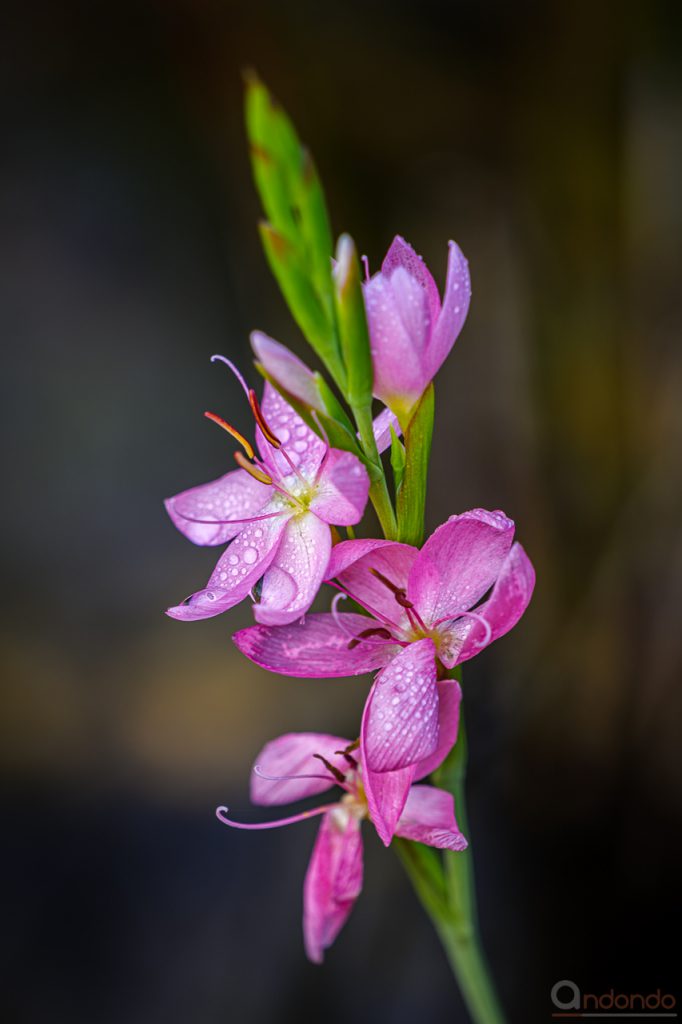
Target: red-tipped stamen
{"x": 266, "y": 430}
{"x": 235, "y": 371}
{"x": 232, "y": 431}
{"x": 221, "y": 813}
{"x": 254, "y": 471}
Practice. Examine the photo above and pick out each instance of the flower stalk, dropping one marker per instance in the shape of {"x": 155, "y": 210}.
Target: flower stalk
{"x": 445, "y": 887}
{"x": 417, "y": 610}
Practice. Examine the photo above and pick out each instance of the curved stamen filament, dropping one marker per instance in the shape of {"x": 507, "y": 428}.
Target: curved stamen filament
{"x": 368, "y": 608}
{"x": 232, "y": 431}
{"x": 221, "y": 815}
{"x": 257, "y": 770}
{"x": 337, "y": 616}
{"x": 228, "y": 522}
{"x": 235, "y": 371}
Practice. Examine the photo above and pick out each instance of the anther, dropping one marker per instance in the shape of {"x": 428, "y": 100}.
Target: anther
{"x": 267, "y": 432}
{"x": 232, "y": 431}
{"x": 373, "y": 631}
{"x": 338, "y": 775}
{"x": 349, "y": 757}
{"x": 398, "y": 592}
{"x": 256, "y": 473}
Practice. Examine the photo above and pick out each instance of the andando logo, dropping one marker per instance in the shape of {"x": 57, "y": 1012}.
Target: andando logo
{"x": 571, "y": 1002}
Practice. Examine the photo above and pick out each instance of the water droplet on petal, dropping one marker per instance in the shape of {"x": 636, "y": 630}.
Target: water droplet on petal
{"x": 250, "y": 555}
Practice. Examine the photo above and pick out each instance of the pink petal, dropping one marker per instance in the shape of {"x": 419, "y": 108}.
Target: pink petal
{"x": 386, "y": 793}
{"x": 238, "y": 570}
{"x": 449, "y": 697}
{"x": 510, "y": 597}
{"x": 304, "y": 447}
{"x": 401, "y": 254}
{"x": 351, "y": 562}
{"x": 295, "y": 576}
{"x": 429, "y": 817}
{"x": 381, "y": 429}
{"x": 287, "y": 369}
{"x": 317, "y": 648}
{"x": 342, "y": 490}
{"x": 333, "y": 881}
{"x": 235, "y": 495}
{"x": 292, "y": 754}
{"x": 398, "y": 320}
{"x": 400, "y": 721}
{"x": 459, "y": 563}
{"x": 454, "y": 312}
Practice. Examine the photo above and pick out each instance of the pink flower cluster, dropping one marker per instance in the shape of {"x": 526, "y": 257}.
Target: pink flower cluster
{"x": 422, "y": 611}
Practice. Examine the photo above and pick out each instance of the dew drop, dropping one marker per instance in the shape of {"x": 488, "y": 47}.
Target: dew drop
{"x": 250, "y": 555}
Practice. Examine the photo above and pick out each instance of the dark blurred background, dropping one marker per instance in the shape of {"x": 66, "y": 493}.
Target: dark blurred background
{"x": 546, "y": 139}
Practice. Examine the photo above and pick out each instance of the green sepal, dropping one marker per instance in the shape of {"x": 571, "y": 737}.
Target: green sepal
{"x": 331, "y": 404}
{"x": 351, "y": 320}
{"x": 412, "y": 494}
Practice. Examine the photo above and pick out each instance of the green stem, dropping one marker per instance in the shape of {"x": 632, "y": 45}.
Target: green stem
{"x": 449, "y": 898}
{"x": 378, "y": 491}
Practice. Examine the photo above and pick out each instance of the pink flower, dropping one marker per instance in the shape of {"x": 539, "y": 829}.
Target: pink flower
{"x": 428, "y": 610}
{"x": 411, "y": 332}
{"x": 276, "y": 511}
{"x": 300, "y": 765}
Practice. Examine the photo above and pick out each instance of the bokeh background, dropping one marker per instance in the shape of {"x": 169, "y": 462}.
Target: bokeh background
{"x": 545, "y": 138}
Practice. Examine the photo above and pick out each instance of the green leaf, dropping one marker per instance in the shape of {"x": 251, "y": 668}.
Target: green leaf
{"x": 352, "y": 324}
{"x": 412, "y": 495}
{"x": 301, "y": 297}
{"x": 397, "y": 460}
{"x": 293, "y": 200}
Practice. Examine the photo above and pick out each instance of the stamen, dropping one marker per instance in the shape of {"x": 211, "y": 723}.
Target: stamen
{"x": 232, "y": 431}
{"x": 338, "y": 775}
{"x": 349, "y": 757}
{"x": 327, "y": 448}
{"x": 398, "y": 592}
{"x": 256, "y": 473}
{"x": 268, "y": 433}
{"x": 365, "y": 263}
{"x": 221, "y": 815}
{"x": 377, "y": 631}
{"x": 235, "y": 371}
{"x": 415, "y": 618}
{"x": 228, "y": 522}
{"x": 257, "y": 770}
